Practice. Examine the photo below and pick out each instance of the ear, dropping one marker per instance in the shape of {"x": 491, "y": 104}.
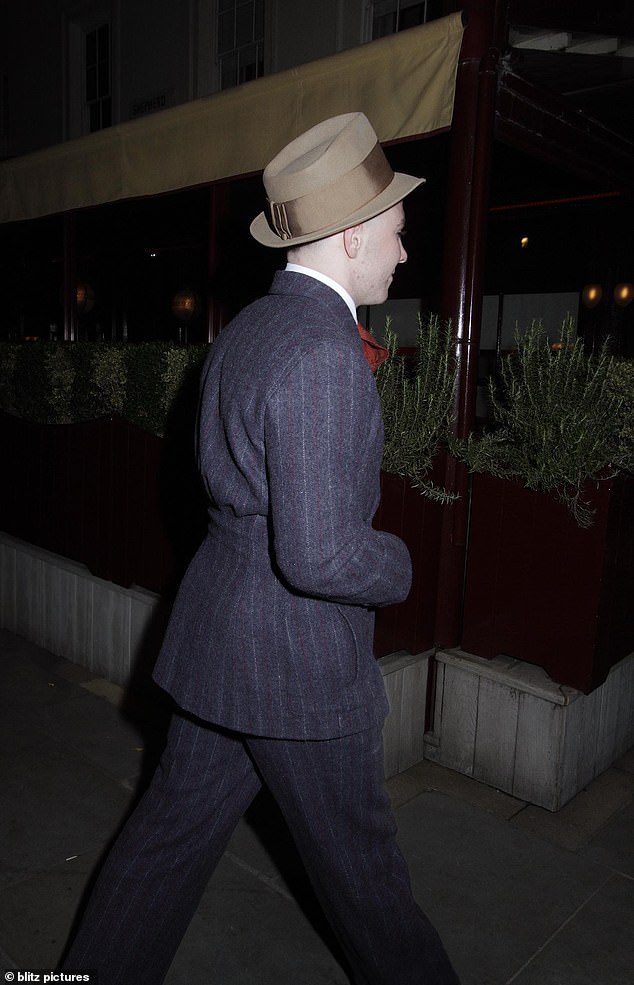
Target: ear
{"x": 352, "y": 240}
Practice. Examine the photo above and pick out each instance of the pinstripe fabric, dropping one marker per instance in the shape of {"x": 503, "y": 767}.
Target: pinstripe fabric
{"x": 149, "y": 888}
{"x": 343, "y": 827}
{"x": 270, "y": 639}
{"x": 271, "y": 632}
{"x": 334, "y": 800}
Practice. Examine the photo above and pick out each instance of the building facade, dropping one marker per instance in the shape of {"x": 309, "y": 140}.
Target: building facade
{"x": 68, "y": 68}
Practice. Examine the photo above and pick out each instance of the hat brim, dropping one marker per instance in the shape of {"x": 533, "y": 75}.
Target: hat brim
{"x": 400, "y": 186}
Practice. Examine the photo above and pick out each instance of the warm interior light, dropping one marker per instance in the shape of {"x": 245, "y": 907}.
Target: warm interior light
{"x": 623, "y": 294}
{"x": 85, "y": 298}
{"x": 591, "y": 295}
{"x": 524, "y": 242}
{"x": 184, "y": 305}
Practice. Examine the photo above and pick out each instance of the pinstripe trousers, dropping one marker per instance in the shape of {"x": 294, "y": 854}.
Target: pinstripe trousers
{"x": 332, "y": 795}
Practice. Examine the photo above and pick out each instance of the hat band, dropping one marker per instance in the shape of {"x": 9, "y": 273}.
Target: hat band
{"x": 319, "y": 210}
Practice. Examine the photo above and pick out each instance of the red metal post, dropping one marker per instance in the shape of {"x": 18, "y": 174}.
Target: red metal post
{"x": 465, "y": 239}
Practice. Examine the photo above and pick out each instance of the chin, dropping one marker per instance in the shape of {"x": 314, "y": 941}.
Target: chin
{"x": 380, "y": 297}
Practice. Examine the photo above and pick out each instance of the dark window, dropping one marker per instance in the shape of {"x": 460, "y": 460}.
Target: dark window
{"x": 240, "y": 41}
{"x": 97, "y": 77}
{"x": 390, "y": 16}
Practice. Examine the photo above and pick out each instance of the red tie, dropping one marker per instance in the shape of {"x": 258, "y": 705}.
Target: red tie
{"x": 373, "y": 351}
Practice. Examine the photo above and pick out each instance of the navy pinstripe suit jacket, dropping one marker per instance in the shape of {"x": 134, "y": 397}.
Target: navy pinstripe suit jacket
{"x": 271, "y": 631}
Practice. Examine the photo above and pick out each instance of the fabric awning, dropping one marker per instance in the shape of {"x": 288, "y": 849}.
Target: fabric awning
{"x": 404, "y": 83}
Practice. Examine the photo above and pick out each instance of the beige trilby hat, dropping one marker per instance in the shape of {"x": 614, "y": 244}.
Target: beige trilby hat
{"x": 331, "y": 177}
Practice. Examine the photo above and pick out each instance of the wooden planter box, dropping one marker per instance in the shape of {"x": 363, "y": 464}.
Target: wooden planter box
{"x": 543, "y": 590}
{"x": 104, "y": 493}
{"x": 417, "y": 520}
{"x": 128, "y": 505}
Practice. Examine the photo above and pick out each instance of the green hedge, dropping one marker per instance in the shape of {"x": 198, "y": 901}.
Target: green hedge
{"x": 417, "y": 397}
{"x": 560, "y": 418}
{"x": 67, "y": 382}
{"x": 621, "y": 383}
{"x": 154, "y": 384}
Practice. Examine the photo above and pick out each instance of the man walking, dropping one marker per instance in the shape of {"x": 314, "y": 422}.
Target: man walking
{"x": 268, "y": 654}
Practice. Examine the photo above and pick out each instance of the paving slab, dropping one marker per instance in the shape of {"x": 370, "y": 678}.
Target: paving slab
{"x": 613, "y": 845}
{"x": 430, "y": 776}
{"x": 594, "y": 947}
{"x": 626, "y": 762}
{"x": 494, "y": 892}
{"x": 244, "y": 932}
{"x": 37, "y": 912}
{"x": 97, "y": 732}
{"x": 6, "y": 961}
{"x": 520, "y": 895}
{"x": 586, "y": 817}
{"x": 57, "y": 803}
{"x": 30, "y": 677}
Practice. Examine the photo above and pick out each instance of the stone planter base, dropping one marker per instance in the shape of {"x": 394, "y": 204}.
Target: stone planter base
{"x": 506, "y": 723}
{"x": 114, "y": 633}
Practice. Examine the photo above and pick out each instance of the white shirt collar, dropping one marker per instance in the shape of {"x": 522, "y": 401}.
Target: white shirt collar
{"x": 296, "y": 268}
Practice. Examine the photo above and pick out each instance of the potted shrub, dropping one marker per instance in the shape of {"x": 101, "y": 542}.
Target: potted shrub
{"x": 550, "y": 567}
{"x": 98, "y": 441}
{"x": 417, "y": 398}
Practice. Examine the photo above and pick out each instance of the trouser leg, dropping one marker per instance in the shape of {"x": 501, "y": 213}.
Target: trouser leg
{"x": 333, "y": 797}
{"x": 157, "y": 870}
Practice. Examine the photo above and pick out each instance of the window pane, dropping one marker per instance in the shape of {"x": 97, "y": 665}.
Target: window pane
{"x": 240, "y": 40}
{"x": 244, "y": 24}
{"x": 226, "y": 38}
{"x": 91, "y": 83}
{"x": 383, "y": 25}
{"x": 104, "y": 41}
{"x": 95, "y": 117}
{"x": 393, "y": 15}
{"x": 91, "y": 48}
{"x": 248, "y": 67}
{"x": 106, "y": 112}
{"x": 259, "y": 20}
{"x": 412, "y": 16}
{"x": 228, "y": 71}
{"x": 103, "y": 81}
{"x": 97, "y": 78}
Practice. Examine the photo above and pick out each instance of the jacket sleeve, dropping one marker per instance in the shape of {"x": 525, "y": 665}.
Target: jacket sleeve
{"x": 323, "y": 442}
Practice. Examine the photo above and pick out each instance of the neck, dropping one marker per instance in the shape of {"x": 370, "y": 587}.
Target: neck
{"x": 326, "y": 257}
{"x": 329, "y": 281}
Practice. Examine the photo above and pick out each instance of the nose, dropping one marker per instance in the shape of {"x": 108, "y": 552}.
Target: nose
{"x": 403, "y": 256}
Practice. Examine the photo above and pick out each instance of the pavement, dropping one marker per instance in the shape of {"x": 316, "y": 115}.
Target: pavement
{"x": 520, "y": 895}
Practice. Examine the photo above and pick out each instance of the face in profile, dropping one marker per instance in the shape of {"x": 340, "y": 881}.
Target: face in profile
{"x": 380, "y": 251}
